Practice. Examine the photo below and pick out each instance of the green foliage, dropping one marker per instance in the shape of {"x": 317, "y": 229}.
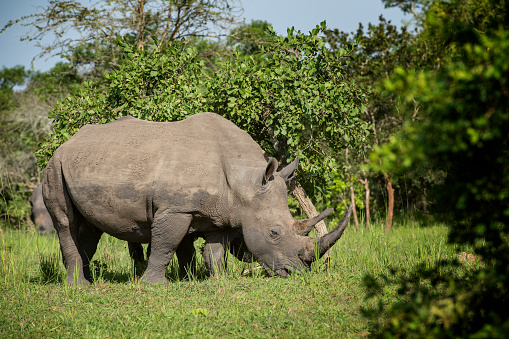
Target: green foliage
{"x": 249, "y": 37}
{"x": 293, "y": 100}
{"x": 56, "y": 83}
{"x": 23, "y": 125}
{"x": 465, "y": 133}
{"x": 156, "y": 85}
{"x": 14, "y": 205}
{"x": 382, "y": 48}
{"x": 337, "y": 193}
{"x": 90, "y": 29}
{"x": 9, "y": 78}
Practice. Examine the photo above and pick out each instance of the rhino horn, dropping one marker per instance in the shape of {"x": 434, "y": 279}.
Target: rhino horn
{"x": 318, "y": 246}
{"x": 288, "y": 172}
{"x": 328, "y": 240}
{"x": 304, "y": 226}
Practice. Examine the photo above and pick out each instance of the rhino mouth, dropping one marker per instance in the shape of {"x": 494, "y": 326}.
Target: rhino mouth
{"x": 287, "y": 269}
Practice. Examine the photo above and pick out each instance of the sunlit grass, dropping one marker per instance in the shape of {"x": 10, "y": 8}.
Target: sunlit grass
{"x": 322, "y": 303}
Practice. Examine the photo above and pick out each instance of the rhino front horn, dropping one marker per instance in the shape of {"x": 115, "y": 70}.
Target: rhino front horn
{"x": 328, "y": 240}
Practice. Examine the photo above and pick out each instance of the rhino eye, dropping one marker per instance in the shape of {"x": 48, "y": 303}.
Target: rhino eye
{"x": 275, "y": 232}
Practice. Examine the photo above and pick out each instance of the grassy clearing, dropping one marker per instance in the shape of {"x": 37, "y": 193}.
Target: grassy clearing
{"x": 34, "y": 302}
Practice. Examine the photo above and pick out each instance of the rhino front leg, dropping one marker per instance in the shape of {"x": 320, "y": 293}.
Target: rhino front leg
{"x": 168, "y": 231}
{"x": 214, "y": 253}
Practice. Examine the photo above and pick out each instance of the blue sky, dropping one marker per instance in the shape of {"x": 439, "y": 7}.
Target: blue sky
{"x": 304, "y": 15}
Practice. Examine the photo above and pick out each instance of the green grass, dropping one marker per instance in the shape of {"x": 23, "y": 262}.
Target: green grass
{"x": 34, "y": 301}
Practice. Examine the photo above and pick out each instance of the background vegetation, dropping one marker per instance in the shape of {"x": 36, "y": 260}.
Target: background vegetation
{"x": 429, "y": 99}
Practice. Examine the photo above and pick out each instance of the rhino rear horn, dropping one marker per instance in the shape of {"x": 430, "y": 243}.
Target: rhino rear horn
{"x": 288, "y": 172}
{"x": 304, "y": 226}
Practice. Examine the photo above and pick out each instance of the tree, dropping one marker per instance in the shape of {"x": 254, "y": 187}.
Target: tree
{"x": 295, "y": 101}
{"x": 467, "y": 136}
{"x": 23, "y": 125}
{"x": 9, "y": 78}
{"x": 380, "y": 49}
{"x": 250, "y": 37}
{"x": 86, "y": 34}
{"x": 463, "y": 132}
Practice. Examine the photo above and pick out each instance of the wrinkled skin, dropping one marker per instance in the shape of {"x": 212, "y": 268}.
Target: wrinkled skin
{"x": 166, "y": 183}
{"x": 39, "y": 214}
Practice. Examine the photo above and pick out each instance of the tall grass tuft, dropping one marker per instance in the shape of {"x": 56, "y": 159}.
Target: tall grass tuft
{"x": 50, "y": 269}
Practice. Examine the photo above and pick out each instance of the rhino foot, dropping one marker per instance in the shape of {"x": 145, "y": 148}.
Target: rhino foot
{"x": 80, "y": 281}
{"x": 154, "y": 278}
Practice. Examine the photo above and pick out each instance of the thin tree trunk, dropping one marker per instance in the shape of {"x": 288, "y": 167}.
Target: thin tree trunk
{"x": 141, "y": 24}
{"x": 352, "y": 192}
{"x": 388, "y": 181}
{"x": 390, "y": 205}
{"x": 309, "y": 209}
{"x": 307, "y": 205}
{"x": 352, "y": 202}
{"x": 367, "y": 190}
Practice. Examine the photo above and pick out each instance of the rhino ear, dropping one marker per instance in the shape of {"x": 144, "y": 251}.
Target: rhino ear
{"x": 288, "y": 172}
{"x": 270, "y": 170}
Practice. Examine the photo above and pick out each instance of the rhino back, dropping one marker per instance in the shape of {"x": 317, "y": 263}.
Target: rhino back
{"x": 134, "y": 167}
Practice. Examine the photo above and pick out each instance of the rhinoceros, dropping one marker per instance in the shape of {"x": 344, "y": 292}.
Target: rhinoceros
{"x": 162, "y": 182}
{"x": 39, "y": 214}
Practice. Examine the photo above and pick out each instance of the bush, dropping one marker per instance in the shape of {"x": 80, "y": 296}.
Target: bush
{"x": 466, "y": 133}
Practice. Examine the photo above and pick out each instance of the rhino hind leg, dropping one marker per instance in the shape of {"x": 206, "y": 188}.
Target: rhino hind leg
{"x": 186, "y": 256}
{"x": 136, "y": 252}
{"x": 66, "y": 220}
{"x": 164, "y": 244}
{"x": 88, "y": 238}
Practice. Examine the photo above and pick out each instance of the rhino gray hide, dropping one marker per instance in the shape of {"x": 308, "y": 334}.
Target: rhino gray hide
{"x": 39, "y": 214}
{"x": 163, "y": 182}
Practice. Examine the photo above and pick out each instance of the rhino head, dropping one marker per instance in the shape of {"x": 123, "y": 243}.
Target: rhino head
{"x": 39, "y": 214}
{"x": 271, "y": 234}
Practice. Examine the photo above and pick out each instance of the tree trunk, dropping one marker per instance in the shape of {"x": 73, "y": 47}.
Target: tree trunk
{"x": 367, "y": 190}
{"x": 140, "y": 12}
{"x": 390, "y": 207}
{"x": 309, "y": 209}
{"x": 352, "y": 202}
{"x": 307, "y": 205}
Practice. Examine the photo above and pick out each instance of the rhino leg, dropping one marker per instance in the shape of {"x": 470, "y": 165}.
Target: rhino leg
{"x": 136, "y": 252}
{"x": 66, "y": 220}
{"x": 88, "y": 238}
{"x": 168, "y": 231}
{"x": 186, "y": 255}
{"x": 238, "y": 248}
{"x": 213, "y": 255}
